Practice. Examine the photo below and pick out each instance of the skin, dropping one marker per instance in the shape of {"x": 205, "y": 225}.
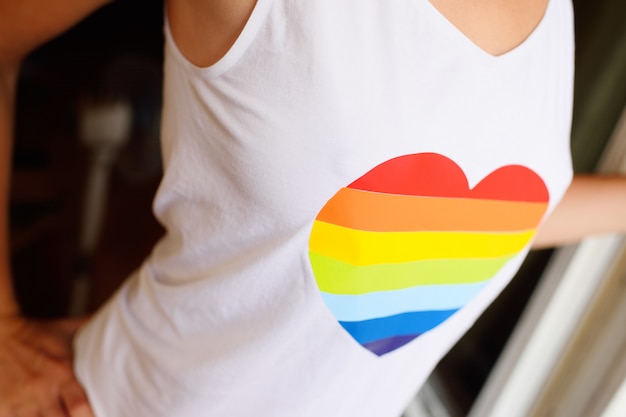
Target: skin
{"x": 205, "y": 30}
{"x": 593, "y": 205}
{"x": 35, "y": 357}
{"x": 496, "y": 26}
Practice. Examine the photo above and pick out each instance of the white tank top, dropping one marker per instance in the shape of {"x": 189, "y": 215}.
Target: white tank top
{"x": 344, "y": 193}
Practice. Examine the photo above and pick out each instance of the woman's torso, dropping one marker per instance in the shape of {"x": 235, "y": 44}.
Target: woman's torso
{"x": 345, "y": 191}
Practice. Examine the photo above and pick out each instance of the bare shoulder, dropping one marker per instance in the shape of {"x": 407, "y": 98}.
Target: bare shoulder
{"x": 206, "y": 29}
{"x": 496, "y": 26}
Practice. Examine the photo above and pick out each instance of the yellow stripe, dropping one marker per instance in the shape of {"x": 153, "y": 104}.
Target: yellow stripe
{"x": 368, "y": 248}
{"x": 336, "y": 277}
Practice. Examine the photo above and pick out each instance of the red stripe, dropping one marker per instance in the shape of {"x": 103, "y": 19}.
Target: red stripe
{"x": 434, "y": 175}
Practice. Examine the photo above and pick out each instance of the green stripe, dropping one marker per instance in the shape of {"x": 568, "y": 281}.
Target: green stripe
{"x": 337, "y": 277}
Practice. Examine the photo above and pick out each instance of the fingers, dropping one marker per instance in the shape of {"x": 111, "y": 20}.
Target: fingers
{"x": 53, "y": 410}
{"x": 75, "y": 401}
{"x": 36, "y": 372}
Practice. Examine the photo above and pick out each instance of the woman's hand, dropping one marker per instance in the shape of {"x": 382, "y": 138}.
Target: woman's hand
{"x": 36, "y": 377}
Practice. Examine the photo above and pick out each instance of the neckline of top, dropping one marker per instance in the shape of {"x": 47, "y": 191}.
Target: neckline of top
{"x": 454, "y": 32}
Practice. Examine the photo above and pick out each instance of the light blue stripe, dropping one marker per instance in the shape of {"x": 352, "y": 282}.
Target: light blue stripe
{"x": 390, "y": 303}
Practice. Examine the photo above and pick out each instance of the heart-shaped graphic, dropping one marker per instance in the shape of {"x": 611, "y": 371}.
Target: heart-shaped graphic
{"x": 407, "y": 245}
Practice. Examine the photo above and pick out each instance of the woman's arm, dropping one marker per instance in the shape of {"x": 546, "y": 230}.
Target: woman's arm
{"x": 8, "y": 77}
{"x": 35, "y": 357}
{"x": 26, "y": 24}
{"x": 593, "y": 205}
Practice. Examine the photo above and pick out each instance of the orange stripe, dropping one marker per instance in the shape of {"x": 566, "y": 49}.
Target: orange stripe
{"x": 379, "y": 212}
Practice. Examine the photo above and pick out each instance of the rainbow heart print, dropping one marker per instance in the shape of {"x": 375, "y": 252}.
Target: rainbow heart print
{"x": 409, "y": 244}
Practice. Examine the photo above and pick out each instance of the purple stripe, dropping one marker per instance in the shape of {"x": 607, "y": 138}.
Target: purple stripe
{"x": 380, "y": 347}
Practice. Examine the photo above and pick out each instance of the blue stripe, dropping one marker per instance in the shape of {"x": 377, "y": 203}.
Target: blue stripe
{"x": 346, "y": 307}
{"x": 369, "y": 331}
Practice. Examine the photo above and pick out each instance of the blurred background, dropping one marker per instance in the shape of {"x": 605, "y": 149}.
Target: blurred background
{"x": 110, "y": 62}
{"x": 69, "y": 176}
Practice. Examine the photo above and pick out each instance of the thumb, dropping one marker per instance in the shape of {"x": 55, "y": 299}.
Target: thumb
{"x": 75, "y": 401}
